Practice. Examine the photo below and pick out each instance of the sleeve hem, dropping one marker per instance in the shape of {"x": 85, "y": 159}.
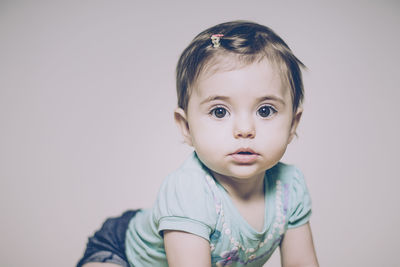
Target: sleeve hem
{"x": 185, "y": 225}
{"x": 300, "y": 222}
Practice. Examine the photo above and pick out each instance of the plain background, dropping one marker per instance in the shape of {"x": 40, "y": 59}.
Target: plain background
{"x": 86, "y": 118}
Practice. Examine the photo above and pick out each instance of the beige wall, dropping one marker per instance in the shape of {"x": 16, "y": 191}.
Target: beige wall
{"x": 86, "y": 128}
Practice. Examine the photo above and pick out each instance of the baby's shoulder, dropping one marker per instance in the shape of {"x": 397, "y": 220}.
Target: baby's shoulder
{"x": 192, "y": 171}
{"x": 285, "y": 173}
{"x": 290, "y": 181}
{"x": 189, "y": 181}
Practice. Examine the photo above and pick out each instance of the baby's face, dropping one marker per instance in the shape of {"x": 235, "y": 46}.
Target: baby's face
{"x": 240, "y": 121}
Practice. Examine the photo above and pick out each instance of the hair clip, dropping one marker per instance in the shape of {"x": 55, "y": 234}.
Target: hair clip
{"x": 215, "y": 39}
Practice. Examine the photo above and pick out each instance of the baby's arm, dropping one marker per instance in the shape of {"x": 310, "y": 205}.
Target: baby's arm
{"x": 100, "y": 264}
{"x": 297, "y": 248}
{"x": 185, "y": 249}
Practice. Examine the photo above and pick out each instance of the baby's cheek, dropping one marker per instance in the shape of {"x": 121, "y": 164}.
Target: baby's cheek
{"x": 272, "y": 144}
{"x": 209, "y": 144}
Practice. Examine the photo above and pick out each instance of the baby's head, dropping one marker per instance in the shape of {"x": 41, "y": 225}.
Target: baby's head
{"x": 233, "y": 45}
{"x": 239, "y": 98}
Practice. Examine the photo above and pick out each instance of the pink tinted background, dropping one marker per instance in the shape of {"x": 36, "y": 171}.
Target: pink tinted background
{"x": 86, "y": 126}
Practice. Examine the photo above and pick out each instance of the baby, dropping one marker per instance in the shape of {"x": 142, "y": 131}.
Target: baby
{"x": 231, "y": 203}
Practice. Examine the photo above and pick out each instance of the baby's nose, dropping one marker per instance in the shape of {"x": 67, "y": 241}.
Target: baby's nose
{"x": 244, "y": 128}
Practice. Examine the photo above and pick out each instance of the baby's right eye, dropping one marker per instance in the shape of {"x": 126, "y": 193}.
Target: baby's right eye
{"x": 219, "y": 112}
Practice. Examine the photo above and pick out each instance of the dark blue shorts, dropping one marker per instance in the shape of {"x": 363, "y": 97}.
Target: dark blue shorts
{"x": 108, "y": 243}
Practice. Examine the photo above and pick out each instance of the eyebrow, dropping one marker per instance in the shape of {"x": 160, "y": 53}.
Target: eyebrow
{"x": 225, "y": 98}
{"x": 271, "y": 97}
{"x": 214, "y": 98}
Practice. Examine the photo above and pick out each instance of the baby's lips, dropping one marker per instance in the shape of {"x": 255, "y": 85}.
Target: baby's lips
{"x": 244, "y": 151}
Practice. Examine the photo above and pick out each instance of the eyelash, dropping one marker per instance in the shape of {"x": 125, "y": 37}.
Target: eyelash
{"x": 271, "y": 111}
{"x": 218, "y": 108}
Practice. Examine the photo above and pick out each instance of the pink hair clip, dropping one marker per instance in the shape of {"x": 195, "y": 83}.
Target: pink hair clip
{"x": 215, "y": 39}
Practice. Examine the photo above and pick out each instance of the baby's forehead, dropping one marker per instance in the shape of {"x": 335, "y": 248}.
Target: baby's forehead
{"x": 220, "y": 64}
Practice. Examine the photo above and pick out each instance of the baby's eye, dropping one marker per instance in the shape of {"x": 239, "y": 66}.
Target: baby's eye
{"x": 219, "y": 112}
{"x": 266, "y": 111}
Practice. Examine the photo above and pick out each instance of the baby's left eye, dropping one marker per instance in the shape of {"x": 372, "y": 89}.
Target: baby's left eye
{"x": 266, "y": 111}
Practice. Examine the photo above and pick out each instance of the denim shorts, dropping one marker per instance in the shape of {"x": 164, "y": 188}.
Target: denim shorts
{"x": 108, "y": 243}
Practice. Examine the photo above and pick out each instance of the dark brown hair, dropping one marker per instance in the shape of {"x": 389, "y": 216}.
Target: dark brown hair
{"x": 248, "y": 42}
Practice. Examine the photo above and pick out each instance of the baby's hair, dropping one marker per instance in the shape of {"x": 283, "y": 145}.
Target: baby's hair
{"x": 245, "y": 42}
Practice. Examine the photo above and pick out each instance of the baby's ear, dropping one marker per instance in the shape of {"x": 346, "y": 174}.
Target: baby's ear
{"x": 295, "y": 123}
{"x": 182, "y": 123}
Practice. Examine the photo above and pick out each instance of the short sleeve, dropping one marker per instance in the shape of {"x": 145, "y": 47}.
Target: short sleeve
{"x": 300, "y": 201}
{"x": 185, "y": 203}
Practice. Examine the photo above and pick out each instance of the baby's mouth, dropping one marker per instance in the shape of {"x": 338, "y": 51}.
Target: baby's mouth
{"x": 244, "y": 156}
{"x": 245, "y": 153}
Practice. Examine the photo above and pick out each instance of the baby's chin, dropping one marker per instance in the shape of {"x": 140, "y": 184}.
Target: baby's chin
{"x": 240, "y": 173}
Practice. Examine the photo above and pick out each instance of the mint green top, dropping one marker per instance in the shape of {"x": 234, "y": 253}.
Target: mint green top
{"x": 191, "y": 200}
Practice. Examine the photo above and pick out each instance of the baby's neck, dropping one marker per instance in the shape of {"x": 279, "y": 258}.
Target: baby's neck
{"x": 242, "y": 189}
